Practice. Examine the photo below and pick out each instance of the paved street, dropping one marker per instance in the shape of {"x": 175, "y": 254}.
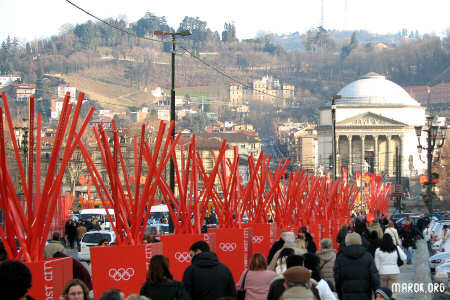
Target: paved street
{"x": 418, "y": 272}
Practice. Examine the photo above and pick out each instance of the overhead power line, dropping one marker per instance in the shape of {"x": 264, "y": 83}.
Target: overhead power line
{"x": 211, "y": 66}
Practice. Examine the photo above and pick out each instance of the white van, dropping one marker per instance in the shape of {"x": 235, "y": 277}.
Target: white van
{"x": 90, "y": 213}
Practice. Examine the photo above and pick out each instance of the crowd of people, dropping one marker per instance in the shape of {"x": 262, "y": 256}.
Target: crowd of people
{"x": 365, "y": 265}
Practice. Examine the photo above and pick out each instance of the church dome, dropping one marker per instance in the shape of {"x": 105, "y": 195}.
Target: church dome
{"x": 374, "y": 89}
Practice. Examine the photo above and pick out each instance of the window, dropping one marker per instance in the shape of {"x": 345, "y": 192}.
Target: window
{"x": 242, "y": 146}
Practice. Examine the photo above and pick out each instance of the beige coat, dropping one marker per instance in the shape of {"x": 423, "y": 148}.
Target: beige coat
{"x": 53, "y": 247}
{"x": 327, "y": 259}
{"x": 298, "y": 292}
{"x": 273, "y": 263}
{"x": 377, "y": 227}
{"x": 394, "y": 234}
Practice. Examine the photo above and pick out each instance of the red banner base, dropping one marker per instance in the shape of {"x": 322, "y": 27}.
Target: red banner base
{"x": 49, "y": 277}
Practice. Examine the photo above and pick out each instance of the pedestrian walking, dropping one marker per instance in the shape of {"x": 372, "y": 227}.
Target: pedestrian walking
{"x": 355, "y": 274}
{"x": 207, "y": 278}
{"x": 277, "y": 245}
{"x": 445, "y": 237}
{"x": 303, "y": 234}
{"x": 393, "y": 232}
{"x": 159, "y": 283}
{"x": 327, "y": 258}
{"x": 256, "y": 280}
{"x": 297, "y": 282}
{"x": 374, "y": 241}
{"x": 408, "y": 235}
{"x": 277, "y": 285}
{"x": 383, "y": 293}
{"x": 289, "y": 243}
{"x": 427, "y": 235}
{"x": 15, "y": 280}
{"x": 71, "y": 232}
{"x": 386, "y": 258}
{"x": 75, "y": 289}
{"x": 113, "y": 294}
{"x": 340, "y": 238}
{"x": 53, "y": 246}
{"x": 78, "y": 270}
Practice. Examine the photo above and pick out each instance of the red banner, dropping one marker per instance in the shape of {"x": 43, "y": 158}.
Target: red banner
{"x": 176, "y": 249}
{"x": 121, "y": 267}
{"x": 152, "y": 250}
{"x": 49, "y": 277}
{"x": 234, "y": 248}
{"x": 263, "y": 237}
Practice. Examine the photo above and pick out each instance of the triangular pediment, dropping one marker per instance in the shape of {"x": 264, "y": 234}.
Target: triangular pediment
{"x": 370, "y": 119}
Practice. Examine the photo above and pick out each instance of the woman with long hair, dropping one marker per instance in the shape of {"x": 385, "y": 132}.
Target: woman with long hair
{"x": 160, "y": 284}
{"x": 256, "y": 280}
{"x": 75, "y": 289}
{"x": 386, "y": 261}
{"x": 280, "y": 266}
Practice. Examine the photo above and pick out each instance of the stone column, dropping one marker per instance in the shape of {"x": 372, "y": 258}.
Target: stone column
{"x": 338, "y": 157}
{"x": 363, "y": 138}
{"x": 350, "y": 154}
{"x": 390, "y": 150}
{"x": 376, "y": 155}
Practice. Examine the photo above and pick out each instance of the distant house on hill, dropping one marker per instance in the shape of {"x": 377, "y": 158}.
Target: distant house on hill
{"x": 24, "y": 91}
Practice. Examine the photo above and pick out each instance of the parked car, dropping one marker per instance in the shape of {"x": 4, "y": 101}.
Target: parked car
{"x": 438, "y": 259}
{"x": 157, "y": 229}
{"x": 396, "y": 217}
{"x": 441, "y": 275}
{"x": 92, "y": 238}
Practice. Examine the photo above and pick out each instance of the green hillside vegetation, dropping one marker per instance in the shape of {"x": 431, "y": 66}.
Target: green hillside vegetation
{"x": 116, "y": 69}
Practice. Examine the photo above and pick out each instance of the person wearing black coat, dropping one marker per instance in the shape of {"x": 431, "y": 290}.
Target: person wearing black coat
{"x": 207, "y": 278}
{"x": 304, "y": 234}
{"x": 340, "y": 238}
{"x": 160, "y": 284}
{"x": 374, "y": 242}
{"x": 275, "y": 247}
{"x": 355, "y": 273}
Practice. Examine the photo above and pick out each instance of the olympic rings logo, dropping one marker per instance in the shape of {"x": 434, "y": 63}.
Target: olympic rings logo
{"x": 121, "y": 274}
{"x": 182, "y": 257}
{"x": 227, "y": 247}
{"x": 257, "y": 239}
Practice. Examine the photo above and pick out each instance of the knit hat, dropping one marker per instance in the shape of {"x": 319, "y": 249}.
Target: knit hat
{"x": 353, "y": 239}
{"x": 384, "y": 292}
{"x": 297, "y": 275}
{"x": 326, "y": 243}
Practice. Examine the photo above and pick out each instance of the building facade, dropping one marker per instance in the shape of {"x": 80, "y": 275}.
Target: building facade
{"x": 375, "y": 121}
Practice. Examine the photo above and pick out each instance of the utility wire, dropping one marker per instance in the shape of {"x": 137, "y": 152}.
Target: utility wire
{"x": 215, "y": 68}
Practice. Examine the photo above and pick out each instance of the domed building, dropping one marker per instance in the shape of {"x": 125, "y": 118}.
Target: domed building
{"x": 374, "y": 118}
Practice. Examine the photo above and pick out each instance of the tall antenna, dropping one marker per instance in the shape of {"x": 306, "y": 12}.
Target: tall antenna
{"x": 322, "y": 13}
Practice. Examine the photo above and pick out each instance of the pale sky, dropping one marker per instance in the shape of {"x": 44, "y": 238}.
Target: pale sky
{"x": 30, "y": 19}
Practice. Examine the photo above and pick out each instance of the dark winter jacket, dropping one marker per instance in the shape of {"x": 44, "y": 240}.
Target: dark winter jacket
{"x": 340, "y": 238}
{"x": 310, "y": 245}
{"x": 276, "y": 289}
{"x": 355, "y": 274}
{"x": 80, "y": 272}
{"x": 208, "y": 279}
{"x": 408, "y": 234}
{"x": 275, "y": 247}
{"x": 165, "y": 291}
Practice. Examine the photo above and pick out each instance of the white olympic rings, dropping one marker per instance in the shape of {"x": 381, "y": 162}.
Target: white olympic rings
{"x": 227, "y": 247}
{"x": 121, "y": 273}
{"x": 257, "y": 239}
{"x": 182, "y": 257}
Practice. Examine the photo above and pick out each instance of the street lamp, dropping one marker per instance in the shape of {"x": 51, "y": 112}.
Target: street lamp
{"x": 333, "y": 127}
{"x": 435, "y": 140}
{"x": 172, "y": 94}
